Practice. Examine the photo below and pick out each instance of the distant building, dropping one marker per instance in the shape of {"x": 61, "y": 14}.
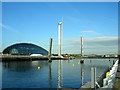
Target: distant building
{"x": 115, "y": 55}
{"x": 111, "y": 55}
{"x": 24, "y": 49}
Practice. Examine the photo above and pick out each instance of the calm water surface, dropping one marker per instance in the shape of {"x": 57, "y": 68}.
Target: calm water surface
{"x": 64, "y": 73}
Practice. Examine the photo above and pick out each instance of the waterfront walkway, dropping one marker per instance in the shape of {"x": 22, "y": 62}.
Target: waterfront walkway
{"x": 116, "y": 85}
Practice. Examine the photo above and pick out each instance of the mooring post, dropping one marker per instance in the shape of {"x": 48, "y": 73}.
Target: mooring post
{"x": 50, "y": 50}
{"x": 109, "y": 64}
{"x": 93, "y": 78}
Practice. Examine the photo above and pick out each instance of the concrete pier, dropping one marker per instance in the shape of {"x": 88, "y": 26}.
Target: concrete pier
{"x": 116, "y": 85}
{"x": 26, "y": 57}
{"x": 87, "y": 86}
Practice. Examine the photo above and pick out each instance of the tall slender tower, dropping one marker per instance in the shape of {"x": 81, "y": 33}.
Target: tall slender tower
{"x": 59, "y": 53}
{"x": 59, "y": 38}
{"x": 82, "y": 46}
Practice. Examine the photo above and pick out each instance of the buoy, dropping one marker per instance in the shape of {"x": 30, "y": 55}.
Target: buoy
{"x": 38, "y": 67}
{"x": 73, "y": 65}
{"x": 107, "y": 74}
{"x": 78, "y": 62}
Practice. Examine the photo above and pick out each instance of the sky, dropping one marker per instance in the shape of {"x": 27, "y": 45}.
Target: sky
{"x": 37, "y": 22}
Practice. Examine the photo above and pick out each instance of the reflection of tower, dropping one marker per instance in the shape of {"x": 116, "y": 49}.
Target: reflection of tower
{"x": 82, "y": 74}
{"x": 50, "y": 75}
{"x": 59, "y": 74}
{"x": 59, "y": 38}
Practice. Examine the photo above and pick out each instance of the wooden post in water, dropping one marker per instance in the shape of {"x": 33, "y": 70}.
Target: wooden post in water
{"x": 93, "y": 78}
{"x": 50, "y": 50}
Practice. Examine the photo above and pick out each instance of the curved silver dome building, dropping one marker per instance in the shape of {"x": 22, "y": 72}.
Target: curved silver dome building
{"x": 25, "y": 49}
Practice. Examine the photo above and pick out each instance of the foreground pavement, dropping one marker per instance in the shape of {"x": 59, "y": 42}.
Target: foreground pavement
{"x": 116, "y": 85}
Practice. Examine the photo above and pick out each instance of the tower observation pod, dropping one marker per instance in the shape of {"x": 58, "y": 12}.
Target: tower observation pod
{"x": 59, "y": 38}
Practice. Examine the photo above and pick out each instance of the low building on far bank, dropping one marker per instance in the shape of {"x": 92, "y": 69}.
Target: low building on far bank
{"x": 111, "y": 55}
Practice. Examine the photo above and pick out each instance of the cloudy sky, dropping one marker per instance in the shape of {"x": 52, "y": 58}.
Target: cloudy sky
{"x": 37, "y": 22}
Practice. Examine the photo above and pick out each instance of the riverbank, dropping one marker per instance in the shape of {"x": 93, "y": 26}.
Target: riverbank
{"x": 26, "y": 57}
{"x": 45, "y": 57}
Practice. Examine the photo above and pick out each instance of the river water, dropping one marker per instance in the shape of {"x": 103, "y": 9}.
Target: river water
{"x": 57, "y": 74}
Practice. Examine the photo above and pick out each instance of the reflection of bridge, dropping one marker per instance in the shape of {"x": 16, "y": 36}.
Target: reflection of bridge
{"x": 60, "y": 74}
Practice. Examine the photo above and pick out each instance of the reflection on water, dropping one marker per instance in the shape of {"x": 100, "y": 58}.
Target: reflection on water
{"x": 82, "y": 73}
{"x": 59, "y": 73}
{"x": 23, "y": 66}
{"x": 50, "y": 75}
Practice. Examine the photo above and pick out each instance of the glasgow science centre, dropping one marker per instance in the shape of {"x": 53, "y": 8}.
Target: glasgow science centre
{"x": 24, "y": 49}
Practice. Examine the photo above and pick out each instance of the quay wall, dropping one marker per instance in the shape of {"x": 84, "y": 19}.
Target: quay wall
{"x": 101, "y": 78}
{"x": 26, "y": 57}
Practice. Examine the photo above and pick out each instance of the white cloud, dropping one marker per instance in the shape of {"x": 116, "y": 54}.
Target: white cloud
{"x": 88, "y": 31}
{"x": 6, "y": 27}
{"x": 107, "y": 38}
{"x": 98, "y": 45}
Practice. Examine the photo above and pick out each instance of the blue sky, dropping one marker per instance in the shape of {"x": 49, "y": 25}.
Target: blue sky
{"x": 37, "y": 22}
